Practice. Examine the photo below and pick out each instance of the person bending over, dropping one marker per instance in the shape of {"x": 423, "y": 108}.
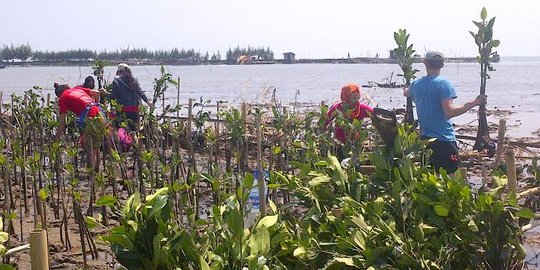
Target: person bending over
{"x": 82, "y": 102}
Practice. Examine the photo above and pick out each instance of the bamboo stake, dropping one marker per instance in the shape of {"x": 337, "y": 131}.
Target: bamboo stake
{"x": 261, "y": 181}
{"x": 188, "y": 128}
{"x": 12, "y": 251}
{"x": 510, "y": 160}
{"x": 463, "y": 172}
{"x": 244, "y": 150}
{"x": 39, "y": 251}
{"x": 48, "y": 99}
{"x": 485, "y": 176}
{"x": 192, "y": 165}
{"x": 500, "y": 143}
{"x": 528, "y": 227}
{"x": 1, "y": 101}
{"x": 528, "y": 192}
{"x": 178, "y": 99}
{"x": 217, "y": 134}
{"x": 281, "y": 161}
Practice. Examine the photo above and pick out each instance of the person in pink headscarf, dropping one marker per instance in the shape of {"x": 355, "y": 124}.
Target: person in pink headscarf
{"x": 350, "y": 107}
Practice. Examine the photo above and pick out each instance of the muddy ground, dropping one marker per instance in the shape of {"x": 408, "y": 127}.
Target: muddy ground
{"x": 61, "y": 258}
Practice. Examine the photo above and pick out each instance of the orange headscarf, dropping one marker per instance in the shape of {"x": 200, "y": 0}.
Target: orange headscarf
{"x": 346, "y": 92}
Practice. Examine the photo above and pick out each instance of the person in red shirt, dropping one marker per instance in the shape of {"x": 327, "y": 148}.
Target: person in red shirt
{"x": 83, "y": 103}
{"x": 350, "y": 107}
{"x": 79, "y": 100}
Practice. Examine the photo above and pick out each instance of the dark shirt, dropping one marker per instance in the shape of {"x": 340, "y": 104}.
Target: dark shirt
{"x": 126, "y": 96}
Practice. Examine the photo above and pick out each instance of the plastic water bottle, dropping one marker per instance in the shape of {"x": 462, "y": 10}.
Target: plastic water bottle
{"x": 254, "y": 200}
{"x": 254, "y": 192}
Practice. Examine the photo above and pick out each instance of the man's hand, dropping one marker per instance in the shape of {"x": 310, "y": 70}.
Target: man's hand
{"x": 480, "y": 100}
{"x": 406, "y": 91}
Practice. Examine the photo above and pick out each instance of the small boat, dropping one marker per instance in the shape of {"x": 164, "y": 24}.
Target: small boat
{"x": 369, "y": 84}
{"x": 387, "y": 83}
{"x": 390, "y": 85}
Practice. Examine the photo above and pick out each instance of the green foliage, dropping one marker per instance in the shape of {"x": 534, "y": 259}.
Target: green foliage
{"x": 4, "y": 237}
{"x": 22, "y": 52}
{"x": 483, "y": 37}
{"x": 404, "y": 216}
{"x": 147, "y": 239}
{"x": 405, "y": 55}
{"x": 172, "y": 56}
{"x": 162, "y": 84}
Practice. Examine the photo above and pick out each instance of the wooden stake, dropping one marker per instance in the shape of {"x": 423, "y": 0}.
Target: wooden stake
{"x": 243, "y": 164}
{"x": 217, "y": 134}
{"x": 463, "y": 172}
{"x": 261, "y": 181}
{"x": 500, "y": 144}
{"x": 188, "y": 128}
{"x": 486, "y": 181}
{"x": 48, "y": 99}
{"x": 510, "y": 160}
{"x": 178, "y": 99}
{"x": 39, "y": 250}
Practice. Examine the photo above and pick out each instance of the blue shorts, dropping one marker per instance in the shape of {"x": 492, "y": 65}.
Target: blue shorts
{"x": 80, "y": 121}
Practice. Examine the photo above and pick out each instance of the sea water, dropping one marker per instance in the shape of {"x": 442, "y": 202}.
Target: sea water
{"x": 513, "y": 86}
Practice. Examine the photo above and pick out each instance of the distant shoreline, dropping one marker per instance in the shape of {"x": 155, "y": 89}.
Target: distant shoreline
{"x": 355, "y": 60}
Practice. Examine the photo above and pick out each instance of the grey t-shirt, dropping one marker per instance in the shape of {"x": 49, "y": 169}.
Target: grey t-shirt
{"x": 125, "y": 95}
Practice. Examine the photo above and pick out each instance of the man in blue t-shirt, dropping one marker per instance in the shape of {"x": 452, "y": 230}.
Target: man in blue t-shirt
{"x": 433, "y": 96}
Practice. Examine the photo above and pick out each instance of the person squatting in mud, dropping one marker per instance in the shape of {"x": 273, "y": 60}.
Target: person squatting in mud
{"x": 350, "y": 108}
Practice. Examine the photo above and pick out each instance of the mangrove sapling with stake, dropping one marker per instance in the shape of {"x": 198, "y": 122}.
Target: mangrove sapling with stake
{"x": 485, "y": 42}
{"x": 234, "y": 136}
{"x": 261, "y": 184}
{"x": 55, "y": 158}
{"x": 32, "y": 166}
{"x": 8, "y": 198}
{"x": 20, "y": 160}
{"x": 95, "y": 131}
{"x": 76, "y": 196}
{"x": 405, "y": 56}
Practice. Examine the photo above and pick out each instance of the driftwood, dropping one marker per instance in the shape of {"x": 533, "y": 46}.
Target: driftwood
{"x": 514, "y": 143}
{"x": 528, "y": 192}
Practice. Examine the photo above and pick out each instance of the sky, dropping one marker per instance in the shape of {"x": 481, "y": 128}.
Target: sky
{"x": 309, "y": 28}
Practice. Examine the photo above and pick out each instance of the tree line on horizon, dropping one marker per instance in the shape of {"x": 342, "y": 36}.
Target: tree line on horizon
{"x": 25, "y": 53}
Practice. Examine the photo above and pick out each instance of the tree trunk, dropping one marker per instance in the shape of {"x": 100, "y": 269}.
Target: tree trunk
{"x": 482, "y": 137}
{"x": 409, "y": 115}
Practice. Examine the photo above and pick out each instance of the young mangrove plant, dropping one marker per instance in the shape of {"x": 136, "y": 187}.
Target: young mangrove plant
{"x": 483, "y": 38}
{"x": 405, "y": 56}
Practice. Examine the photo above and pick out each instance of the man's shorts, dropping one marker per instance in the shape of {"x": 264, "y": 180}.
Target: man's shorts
{"x": 445, "y": 155}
